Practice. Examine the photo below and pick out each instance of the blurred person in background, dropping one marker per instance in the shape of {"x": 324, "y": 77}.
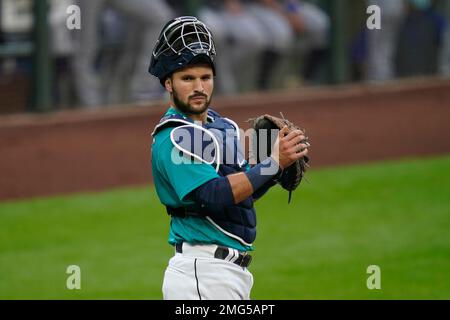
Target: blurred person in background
{"x": 420, "y": 40}
{"x": 311, "y": 25}
{"x": 272, "y": 20}
{"x": 15, "y": 68}
{"x": 445, "y": 56}
{"x": 381, "y": 43}
{"x": 62, "y": 48}
{"x": 145, "y": 18}
{"x": 239, "y": 39}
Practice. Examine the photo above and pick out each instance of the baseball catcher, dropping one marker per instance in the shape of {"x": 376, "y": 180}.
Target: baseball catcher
{"x": 201, "y": 175}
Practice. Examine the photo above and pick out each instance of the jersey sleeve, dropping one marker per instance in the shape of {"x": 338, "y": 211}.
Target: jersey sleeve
{"x": 182, "y": 173}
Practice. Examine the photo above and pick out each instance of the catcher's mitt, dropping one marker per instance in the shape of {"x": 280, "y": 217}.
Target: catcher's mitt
{"x": 291, "y": 176}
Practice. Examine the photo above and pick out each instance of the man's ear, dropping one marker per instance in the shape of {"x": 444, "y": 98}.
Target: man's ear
{"x": 168, "y": 85}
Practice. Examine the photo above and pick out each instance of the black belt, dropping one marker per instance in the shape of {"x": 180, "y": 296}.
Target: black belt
{"x": 243, "y": 260}
{"x": 181, "y": 212}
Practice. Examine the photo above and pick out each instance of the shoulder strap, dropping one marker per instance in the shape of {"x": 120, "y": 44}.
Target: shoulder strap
{"x": 179, "y": 122}
{"x": 173, "y": 120}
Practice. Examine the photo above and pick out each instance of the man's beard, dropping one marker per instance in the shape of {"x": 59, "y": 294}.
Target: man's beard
{"x": 186, "y": 108}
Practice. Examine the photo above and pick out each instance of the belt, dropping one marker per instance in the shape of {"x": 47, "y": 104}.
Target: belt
{"x": 181, "y": 212}
{"x": 241, "y": 259}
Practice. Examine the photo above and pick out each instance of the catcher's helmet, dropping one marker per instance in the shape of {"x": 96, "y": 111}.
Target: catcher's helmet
{"x": 183, "y": 41}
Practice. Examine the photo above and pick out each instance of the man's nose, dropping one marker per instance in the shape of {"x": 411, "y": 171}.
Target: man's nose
{"x": 198, "y": 86}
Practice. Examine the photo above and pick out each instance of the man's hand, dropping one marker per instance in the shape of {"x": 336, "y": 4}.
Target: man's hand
{"x": 289, "y": 147}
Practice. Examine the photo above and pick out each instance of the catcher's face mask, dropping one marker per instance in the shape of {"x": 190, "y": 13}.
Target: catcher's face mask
{"x": 182, "y": 41}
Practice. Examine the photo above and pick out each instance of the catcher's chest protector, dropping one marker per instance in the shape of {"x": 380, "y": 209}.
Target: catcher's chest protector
{"x": 216, "y": 139}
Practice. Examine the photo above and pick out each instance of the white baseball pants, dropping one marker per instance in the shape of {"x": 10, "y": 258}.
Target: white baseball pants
{"x": 196, "y": 275}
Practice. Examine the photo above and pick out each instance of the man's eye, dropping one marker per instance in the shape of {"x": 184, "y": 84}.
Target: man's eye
{"x": 204, "y": 78}
{"x": 188, "y": 78}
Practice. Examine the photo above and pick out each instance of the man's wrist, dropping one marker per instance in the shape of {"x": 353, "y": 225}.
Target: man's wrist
{"x": 263, "y": 172}
{"x": 275, "y": 160}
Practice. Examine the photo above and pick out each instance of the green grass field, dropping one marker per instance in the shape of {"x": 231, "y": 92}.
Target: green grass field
{"x": 395, "y": 215}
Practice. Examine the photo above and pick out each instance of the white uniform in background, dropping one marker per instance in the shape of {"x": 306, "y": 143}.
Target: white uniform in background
{"x": 145, "y": 20}
{"x": 382, "y": 43}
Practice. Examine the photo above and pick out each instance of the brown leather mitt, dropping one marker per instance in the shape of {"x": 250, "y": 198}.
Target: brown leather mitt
{"x": 291, "y": 176}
